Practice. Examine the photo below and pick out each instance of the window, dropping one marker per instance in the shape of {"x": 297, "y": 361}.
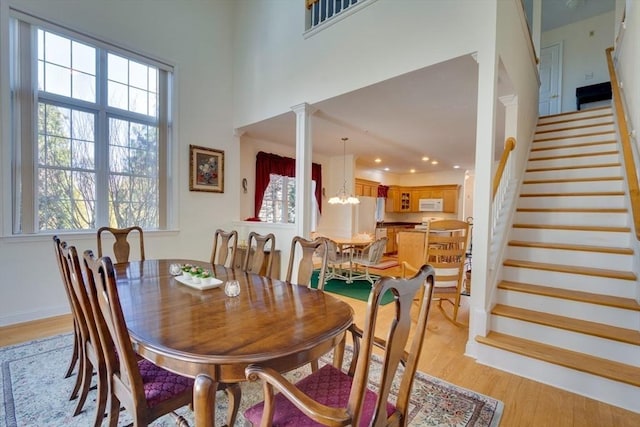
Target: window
{"x": 90, "y": 130}
{"x": 278, "y": 203}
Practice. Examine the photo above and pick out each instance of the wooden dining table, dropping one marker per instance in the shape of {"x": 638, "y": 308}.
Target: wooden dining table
{"x": 204, "y": 334}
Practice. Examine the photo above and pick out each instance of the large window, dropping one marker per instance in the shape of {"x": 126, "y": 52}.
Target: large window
{"x": 90, "y": 131}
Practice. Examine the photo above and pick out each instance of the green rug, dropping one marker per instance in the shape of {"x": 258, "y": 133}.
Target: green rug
{"x": 359, "y": 289}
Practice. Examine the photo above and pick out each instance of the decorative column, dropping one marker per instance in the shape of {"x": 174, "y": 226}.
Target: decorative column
{"x": 304, "y": 146}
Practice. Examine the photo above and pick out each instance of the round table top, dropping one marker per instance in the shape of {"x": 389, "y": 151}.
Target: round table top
{"x": 191, "y": 331}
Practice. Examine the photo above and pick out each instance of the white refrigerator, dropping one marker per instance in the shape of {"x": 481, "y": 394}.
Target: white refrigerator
{"x": 366, "y": 215}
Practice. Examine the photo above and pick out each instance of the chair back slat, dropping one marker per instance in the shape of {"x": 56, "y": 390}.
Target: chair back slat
{"x": 397, "y": 338}
{"x": 114, "y": 335}
{"x": 225, "y": 247}
{"x": 264, "y": 249}
{"x": 121, "y": 246}
{"x": 308, "y": 249}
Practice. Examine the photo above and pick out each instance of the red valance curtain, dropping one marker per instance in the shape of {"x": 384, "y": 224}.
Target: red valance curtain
{"x": 383, "y": 190}
{"x": 268, "y": 163}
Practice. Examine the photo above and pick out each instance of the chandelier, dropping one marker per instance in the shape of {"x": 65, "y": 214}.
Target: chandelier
{"x": 341, "y": 197}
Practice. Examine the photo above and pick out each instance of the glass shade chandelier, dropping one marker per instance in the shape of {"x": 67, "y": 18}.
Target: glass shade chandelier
{"x": 341, "y": 198}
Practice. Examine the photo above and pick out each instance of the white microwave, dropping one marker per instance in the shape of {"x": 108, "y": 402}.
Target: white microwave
{"x": 430, "y": 205}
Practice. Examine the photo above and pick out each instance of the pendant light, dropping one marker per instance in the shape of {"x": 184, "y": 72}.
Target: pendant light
{"x": 342, "y": 198}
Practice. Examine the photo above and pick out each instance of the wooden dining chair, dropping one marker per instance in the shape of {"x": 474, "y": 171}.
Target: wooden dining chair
{"x": 260, "y": 249}
{"x": 369, "y": 256}
{"x": 332, "y": 397}
{"x": 225, "y": 247}
{"x": 75, "y": 356}
{"x": 92, "y": 356}
{"x": 121, "y": 246}
{"x": 305, "y": 251}
{"x": 144, "y": 389}
{"x": 447, "y": 250}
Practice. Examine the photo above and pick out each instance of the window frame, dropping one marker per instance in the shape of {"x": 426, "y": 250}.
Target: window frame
{"x": 23, "y": 133}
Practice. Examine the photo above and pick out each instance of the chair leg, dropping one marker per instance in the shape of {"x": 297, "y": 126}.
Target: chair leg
{"x": 86, "y": 374}
{"x": 74, "y": 356}
{"x": 82, "y": 361}
{"x": 101, "y": 398}
{"x": 234, "y": 395}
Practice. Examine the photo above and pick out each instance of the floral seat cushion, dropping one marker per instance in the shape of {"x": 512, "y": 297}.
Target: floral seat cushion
{"x": 328, "y": 386}
{"x": 160, "y": 384}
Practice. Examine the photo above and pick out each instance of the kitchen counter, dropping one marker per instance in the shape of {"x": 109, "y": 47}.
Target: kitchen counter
{"x": 396, "y": 224}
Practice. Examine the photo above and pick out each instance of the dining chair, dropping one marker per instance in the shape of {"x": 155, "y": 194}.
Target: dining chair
{"x": 307, "y": 250}
{"x": 332, "y": 397}
{"x": 146, "y": 390}
{"x": 121, "y": 246}
{"x": 225, "y": 247}
{"x": 447, "y": 249}
{"x": 336, "y": 261}
{"x": 92, "y": 356}
{"x": 75, "y": 356}
{"x": 260, "y": 249}
{"x": 367, "y": 257}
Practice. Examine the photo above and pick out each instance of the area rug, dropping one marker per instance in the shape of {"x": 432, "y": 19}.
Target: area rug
{"x": 34, "y": 393}
{"x": 358, "y": 289}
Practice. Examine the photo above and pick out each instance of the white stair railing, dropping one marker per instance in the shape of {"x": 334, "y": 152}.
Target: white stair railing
{"x": 503, "y": 197}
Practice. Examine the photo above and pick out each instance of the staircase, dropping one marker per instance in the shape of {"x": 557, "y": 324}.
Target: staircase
{"x": 566, "y": 312}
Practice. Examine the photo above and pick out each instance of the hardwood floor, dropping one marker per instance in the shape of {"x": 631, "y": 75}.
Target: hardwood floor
{"x": 526, "y": 402}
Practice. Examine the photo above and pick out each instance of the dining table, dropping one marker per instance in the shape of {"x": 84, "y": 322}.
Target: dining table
{"x": 212, "y": 337}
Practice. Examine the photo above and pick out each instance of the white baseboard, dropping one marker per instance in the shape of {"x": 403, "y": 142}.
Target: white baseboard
{"x": 33, "y": 315}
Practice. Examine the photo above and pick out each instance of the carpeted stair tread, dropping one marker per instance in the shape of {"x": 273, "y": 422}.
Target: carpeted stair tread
{"x": 571, "y": 269}
{"x": 574, "y": 156}
{"x": 587, "y": 126}
{"x": 586, "y": 327}
{"x": 615, "y": 371}
{"x": 591, "y": 166}
{"x": 576, "y": 145}
{"x": 574, "y": 227}
{"x": 565, "y": 180}
{"x": 575, "y": 210}
{"x": 572, "y": 247}
{"x": 575, "y": 194}
{"x": 582, "y": 135}
{"x": 571, "y": 295}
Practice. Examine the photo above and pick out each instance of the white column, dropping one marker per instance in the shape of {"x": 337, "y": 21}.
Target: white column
{"x": 487, "y": 58}
{"x": 304, "y": 146}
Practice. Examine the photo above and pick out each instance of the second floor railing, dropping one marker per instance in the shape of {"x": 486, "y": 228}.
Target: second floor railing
{"x": 322, "y": 10}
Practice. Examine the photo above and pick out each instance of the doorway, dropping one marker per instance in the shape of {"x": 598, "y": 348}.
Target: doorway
{"x": 550, "y": 80}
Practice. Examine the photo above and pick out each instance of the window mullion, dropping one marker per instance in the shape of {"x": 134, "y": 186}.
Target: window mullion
{"x": 102, "y": 143}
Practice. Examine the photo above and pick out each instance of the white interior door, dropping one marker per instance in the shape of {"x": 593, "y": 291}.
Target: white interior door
{"x": 550, "y": 79}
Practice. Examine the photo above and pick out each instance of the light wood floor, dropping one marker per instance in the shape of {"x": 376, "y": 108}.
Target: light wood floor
{"x": 527, "y": 403}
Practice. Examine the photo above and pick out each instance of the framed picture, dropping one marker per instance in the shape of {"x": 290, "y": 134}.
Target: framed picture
{"x": 206, "y": 169}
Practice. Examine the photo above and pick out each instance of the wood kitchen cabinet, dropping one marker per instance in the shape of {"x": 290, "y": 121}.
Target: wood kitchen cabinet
{"x": 393, "y": 200}
{"x": 366, "y": 188}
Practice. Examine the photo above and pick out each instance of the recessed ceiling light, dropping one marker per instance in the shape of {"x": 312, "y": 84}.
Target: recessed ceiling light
{"x": 412, "y": 170}
{"x": 378, "y": 160}
{"x": 456, "y": 166}
{"x": 387, "y": 169}
{"x": 425, "y": 159}
{"x": 434, "y": 162}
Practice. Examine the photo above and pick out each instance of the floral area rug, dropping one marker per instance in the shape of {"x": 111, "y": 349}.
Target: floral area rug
{"x": 34, "y": 393}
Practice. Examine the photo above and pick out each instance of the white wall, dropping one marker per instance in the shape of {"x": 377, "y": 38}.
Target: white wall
{"x": 276, "y": 67}
{"x": 584, "y": 53}
{"x": 197, "y": 39}
{"x": 628, "y": 65}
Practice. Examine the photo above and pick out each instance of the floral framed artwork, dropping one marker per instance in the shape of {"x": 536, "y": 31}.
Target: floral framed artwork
{"x": 206, "y": 169}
